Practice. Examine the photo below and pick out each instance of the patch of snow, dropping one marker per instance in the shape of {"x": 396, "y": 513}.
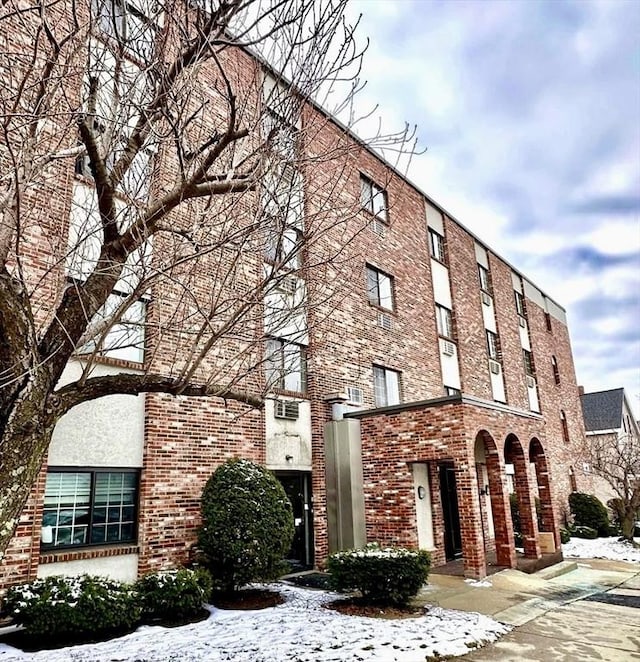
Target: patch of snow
{"x": 300, "y": 629}
{"x": 601, "y": 548}
{"x": 478, "y": 583}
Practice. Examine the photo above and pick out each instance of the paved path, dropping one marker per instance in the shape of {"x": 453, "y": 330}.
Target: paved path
{"x": 590, "y": 613}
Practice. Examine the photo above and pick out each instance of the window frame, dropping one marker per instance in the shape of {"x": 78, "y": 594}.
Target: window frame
{"x": 384, "y": 372}
{"x": 91, "y": 507}
{"x": 279, "y": 356}
{"x": 444, "y": 322}
{"x": 369, "y": 193}
{"x": 374, "y": 279}
{"x": 556, "y": 370}
{"x": 493, "y": 345}
{"x": 529, "y": 365}
{"x": 437, "y": 246}
{"x": 484, "y": 276}
{"x": 520, "y": 304}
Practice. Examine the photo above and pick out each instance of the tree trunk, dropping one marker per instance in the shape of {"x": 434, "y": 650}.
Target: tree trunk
{"x": 628, "y": 523}
{"x": 24, "y": 442}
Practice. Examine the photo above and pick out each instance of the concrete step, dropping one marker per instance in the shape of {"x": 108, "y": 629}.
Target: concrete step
{"x": 556, "y": 570}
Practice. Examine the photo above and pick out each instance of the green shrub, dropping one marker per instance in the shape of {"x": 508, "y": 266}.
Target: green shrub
{"x": 73, "y": 607}
{"x": 390, "y": 575}
{"x": 589, "y": 511}
{"x": 585, "y": 532}
{"x": 247, "y": 524}
{"x": 565, "y": 535}
{"x": 173, "y": 595}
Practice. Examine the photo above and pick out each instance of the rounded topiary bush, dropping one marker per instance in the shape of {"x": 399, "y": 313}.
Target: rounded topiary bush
{"x": 70, "y": 608}
{"x": 589, "y": 511}
{"x": 247, "y": 524}
{"x": 173, "y": 595}
{"x": 391, "y": 575}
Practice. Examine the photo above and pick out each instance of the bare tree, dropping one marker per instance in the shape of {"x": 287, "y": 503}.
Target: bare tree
{"x": 616, "y": 459}
{"x": 164, "y": 200}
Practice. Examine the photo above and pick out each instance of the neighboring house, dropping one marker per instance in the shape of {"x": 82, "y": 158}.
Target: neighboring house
{"x": 608, "y": 418}
{"x": 442, "y": 376}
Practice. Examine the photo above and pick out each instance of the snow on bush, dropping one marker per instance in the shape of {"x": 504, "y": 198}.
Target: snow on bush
{"x": 388, "y": 575}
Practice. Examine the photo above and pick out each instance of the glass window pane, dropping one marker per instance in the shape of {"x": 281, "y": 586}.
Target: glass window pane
{"x": 379, "y": 387}
{"x": 366, "y": 194}
{"x": 393, "y": 387}
{"x": 113, "y": 532}
{"x": 386, "y": 291}
{"x": 98, "y": 534}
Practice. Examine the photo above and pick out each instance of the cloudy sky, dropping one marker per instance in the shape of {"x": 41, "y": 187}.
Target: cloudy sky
{"x": 530, "y": 113}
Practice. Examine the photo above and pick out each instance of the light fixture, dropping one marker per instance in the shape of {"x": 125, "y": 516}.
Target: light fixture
{"x": 422, "y": 493}
{"x": 484, "y": 491}
{"x": 288, "y": 458}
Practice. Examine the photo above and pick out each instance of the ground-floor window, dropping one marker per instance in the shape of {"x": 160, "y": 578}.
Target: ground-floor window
{"x": 89, "y": 507}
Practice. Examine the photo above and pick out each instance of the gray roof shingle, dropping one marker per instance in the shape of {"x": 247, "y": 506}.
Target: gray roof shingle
{"x": 602, "y": 410}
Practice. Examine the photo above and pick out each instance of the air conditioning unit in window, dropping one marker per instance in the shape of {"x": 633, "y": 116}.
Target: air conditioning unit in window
{"x": 378, "y": 227}
{"x": 384, "y": 321}
{"x": 494, "y": 367}
{"x": 448, "y": 348}
{"x": 486, "y": 299}
{"x": 522, "y": 321}
{"x": 286, "y": 409}
{"x": 355, "y": 395}
{"x": 531, "y": 382}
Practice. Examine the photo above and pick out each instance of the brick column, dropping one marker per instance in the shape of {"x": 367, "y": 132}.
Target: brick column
{"x": 549, "y": 520}
{"x": 475, "y": 562}
{"x": 526, "y": 503}
{"x": 502, "y": 524}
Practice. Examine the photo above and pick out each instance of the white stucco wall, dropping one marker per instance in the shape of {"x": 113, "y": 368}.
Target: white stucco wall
{"x": 106, "y": 432}
{"x": 123, "y": 568}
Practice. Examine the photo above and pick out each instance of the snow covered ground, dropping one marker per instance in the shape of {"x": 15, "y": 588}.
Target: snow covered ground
{"x": 300, "y": 629}
{"x": 601, "y": 548}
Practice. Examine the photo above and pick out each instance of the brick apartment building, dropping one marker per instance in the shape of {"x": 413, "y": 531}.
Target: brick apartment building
{"x": 405, "y": 411}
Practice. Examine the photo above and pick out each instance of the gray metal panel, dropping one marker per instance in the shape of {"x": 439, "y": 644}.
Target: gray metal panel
{"x": 434, "y": 218}
{"x": 481, "y": 255}
{"x": 556, "y": 311}
{"x": 533, "y": 293}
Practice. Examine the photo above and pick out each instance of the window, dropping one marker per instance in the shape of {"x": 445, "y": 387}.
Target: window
{"x": 130, "y": 23}
{"x": 436, "y": 245}
{"x": 125, "y": 339}
{"x": 547, "y": 321}
{"x": 450, "y": 390}
{"x": 556, "y": 371}
{"x": 284, "y": 247}
{"x": 282, "y": 135}
{"x": 89, "y": 507}
{"x": 493, "y": 346}
{"x": 286, "y": 365}
{"x": 527, "y": 357}
{"x": 520, "y": 304}
{"x": 386, "y": 386}
{"x": 565, "y": 427}
{"x": 373, "y": 198}
{"x": 379, "y": 288}
{"x": 485, "y": 280}
{"x": 444, "y": 320}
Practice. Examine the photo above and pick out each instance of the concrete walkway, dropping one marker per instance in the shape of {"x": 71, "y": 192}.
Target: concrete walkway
{"x": 570, "y": 612}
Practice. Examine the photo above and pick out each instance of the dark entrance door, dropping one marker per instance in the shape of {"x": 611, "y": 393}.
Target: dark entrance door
{"x": 449, "y": 498}
{"x": 297, "y": 485}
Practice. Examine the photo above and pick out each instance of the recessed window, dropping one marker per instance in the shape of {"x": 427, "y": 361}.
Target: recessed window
{"x": 527, "y": 359}
{"x": 436, "y": 245}
{"x": 379, "y": 288}
{"x": 281, "y": 135}
{"x": 485, "y": 280}
{"x": 451, "y": 390}
{"x": 286, "y": 366}
{"x": 444, "y": 320}
{"x": 284, "y": 246}
{"x": 547, "y": 321}
{"x": 493, "y": 346}
{"x": 520, "y": 303}
{"x": 373, "y": 198}
{"x": 556, "y": 371}
{"x": 386, "y": 386}
{"x": 131, "y": 24}
{"x": 89, "y": 508}
{"x": 565, "y": 427}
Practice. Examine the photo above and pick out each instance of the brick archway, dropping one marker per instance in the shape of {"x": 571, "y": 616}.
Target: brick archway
{"x": 549, "y": 521}
{"x": 514, "y": 454}
{"x": 487, "y": 450}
